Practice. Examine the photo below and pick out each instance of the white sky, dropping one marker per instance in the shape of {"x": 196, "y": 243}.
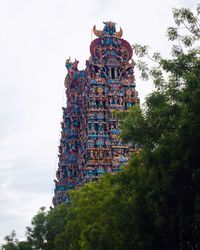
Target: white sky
{"x": 36, "y": 37}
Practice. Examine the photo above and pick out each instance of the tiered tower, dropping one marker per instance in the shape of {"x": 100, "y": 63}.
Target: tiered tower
{"x": 90, "y": 143}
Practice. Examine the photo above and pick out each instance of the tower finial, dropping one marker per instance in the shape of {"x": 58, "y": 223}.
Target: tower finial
{"x": 108, "y": 30}
{"x": 97, "y": 32}
{"x": 119, "y": 34}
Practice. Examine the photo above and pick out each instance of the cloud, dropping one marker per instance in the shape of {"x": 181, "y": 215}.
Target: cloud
{"x": 100, "y": 6}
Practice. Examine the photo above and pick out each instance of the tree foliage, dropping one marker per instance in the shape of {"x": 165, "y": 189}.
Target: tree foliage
{"x": 154, "y": 203}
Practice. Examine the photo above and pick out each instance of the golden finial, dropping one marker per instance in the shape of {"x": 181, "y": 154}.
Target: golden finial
{"x": 97, "y": 32}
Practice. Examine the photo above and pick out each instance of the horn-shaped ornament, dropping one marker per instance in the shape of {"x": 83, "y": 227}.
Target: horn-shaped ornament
{"x": 119, "y": 34}
{"x": 97, "y": 32}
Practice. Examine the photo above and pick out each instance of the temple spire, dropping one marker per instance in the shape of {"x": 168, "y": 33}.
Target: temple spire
{"x": 90, "y": 144}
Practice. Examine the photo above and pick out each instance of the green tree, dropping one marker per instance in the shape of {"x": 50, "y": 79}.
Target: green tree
{"x": 12, "y": 243}
{"x": 36, "y": 234}
{"x": 168, "y": 131}
{"x": 56, "y": 221}
{"x": 24, "y": 245}
{"x": 46, "y": 226}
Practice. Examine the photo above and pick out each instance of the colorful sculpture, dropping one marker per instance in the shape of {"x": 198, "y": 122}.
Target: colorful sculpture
{"x": 90, "y": 143}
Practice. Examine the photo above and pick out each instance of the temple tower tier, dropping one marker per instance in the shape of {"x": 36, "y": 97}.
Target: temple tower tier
{"x": 90, "y": 143}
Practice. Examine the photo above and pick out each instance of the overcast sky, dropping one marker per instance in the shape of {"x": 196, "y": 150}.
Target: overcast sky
{"x": 36, "y": 37}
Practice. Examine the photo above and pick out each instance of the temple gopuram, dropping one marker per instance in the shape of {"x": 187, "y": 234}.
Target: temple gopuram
{"x": 90, "y": 145}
